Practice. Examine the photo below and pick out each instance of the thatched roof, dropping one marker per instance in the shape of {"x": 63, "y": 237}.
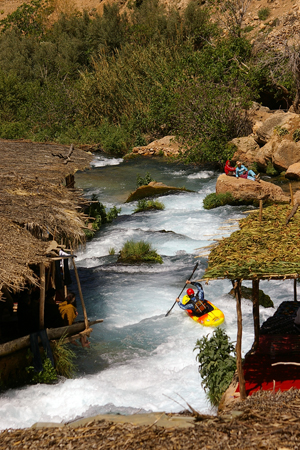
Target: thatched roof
{"x": 34, "y": 198}
{"x": 267, "y": 249}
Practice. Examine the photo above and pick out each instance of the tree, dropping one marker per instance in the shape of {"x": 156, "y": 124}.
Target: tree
{"x": 231, "y": 14}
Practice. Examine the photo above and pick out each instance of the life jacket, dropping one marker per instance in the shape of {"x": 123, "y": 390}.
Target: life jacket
{"x": 186, "y": 299}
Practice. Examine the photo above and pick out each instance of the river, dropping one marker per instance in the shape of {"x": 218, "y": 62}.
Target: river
{"x": 139, "y": 360}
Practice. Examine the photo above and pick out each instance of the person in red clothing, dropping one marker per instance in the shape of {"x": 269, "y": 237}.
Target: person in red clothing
{"x": 229, "y": 169}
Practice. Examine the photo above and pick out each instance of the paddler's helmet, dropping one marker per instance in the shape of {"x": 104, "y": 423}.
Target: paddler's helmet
{"x": 190, "y": 292}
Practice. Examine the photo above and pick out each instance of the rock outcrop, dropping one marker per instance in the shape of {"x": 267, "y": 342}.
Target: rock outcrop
{"x": 244, "y": 189}
{"x": 274, "y": 140}
{"x": 152, "y": 189}
{"x": 167, "y": 146}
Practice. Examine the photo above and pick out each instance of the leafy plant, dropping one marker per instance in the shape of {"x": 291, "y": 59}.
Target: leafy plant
{"x": 296, "y": 135}
{"x": 98, "y": 211}
{"x": 146, "y": 205}
{"x": 263, "y": 13}
{"x": 137, "y": 252}
{"x": 47, "y": 376}
{"x": 217, "y": 363}
{"x": 111, "y": 251}
{"x": 143, "y": 181}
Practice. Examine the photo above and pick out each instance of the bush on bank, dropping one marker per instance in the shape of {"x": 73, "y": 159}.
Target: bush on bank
{"x": 138, "y": 252}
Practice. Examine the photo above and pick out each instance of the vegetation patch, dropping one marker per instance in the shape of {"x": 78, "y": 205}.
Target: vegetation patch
{"x": 64, "y": 358}
{"x": 263, "y": 13}
{"x": 138, "y": 252}
{"x": 263, "y": 299}
{"x": 296, "y": 135}
{"x": 214, "y": 200}
{"x": 270, "y": 170}
{"x": 281, "y": 131}
{"x": 146, "y": 205}
{"x": 98, "y": 211}
{"x": 217, "y": 364}
{"x": 143, "y": 181}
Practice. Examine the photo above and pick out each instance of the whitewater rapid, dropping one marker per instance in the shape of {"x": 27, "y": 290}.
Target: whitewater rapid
{"x": 140, "y": 360}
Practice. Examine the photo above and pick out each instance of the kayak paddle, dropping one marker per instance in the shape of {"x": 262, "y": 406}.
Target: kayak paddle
{"x": 196, "y": 265}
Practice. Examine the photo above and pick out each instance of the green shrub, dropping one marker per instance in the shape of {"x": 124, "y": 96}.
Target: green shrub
{"x": 253, "y": 166}
{"x": 146, "y": 205}
{"x": 111, "y": 251}
{"x": 143, "y": 181}
{"x": 214, "y": 200}
{"x": 98, "y": 211}
{"x": 270, "y": 170}
{"x": 296, "y": 135}
{"x": 216, "y": 364}
{"x": 47, "y": 376}
{"x": 137, "y": 252}
{"x": 281, "y": 131}
{"x": 264, "y": 13}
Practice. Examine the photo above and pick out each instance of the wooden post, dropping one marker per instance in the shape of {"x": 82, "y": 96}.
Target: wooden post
{"x": 295, "y": 289}
{"x": 260, "y": 210}
{"x": 292, "y": 196}
{"x": 42, "y": 295}
{"x": 86, "y": 322}
{"x": 238, "y": 348}
{"x": 255, "y": 299}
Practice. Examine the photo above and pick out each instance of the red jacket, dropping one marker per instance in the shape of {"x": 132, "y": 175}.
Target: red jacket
{"x": 228, "y": 168}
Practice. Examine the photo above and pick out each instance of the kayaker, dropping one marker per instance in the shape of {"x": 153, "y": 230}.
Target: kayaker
{"x": 192, "y": 301}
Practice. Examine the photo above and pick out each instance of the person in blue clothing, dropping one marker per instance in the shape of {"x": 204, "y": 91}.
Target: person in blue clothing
{"x": 193, "y": 302}
{"x": 242, "y": 172}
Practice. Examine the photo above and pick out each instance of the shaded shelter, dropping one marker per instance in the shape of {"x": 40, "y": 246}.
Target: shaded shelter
{"x": 267, "y": 246}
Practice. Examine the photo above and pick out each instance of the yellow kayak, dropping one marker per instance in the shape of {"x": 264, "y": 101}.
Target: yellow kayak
{"x": 213, "y": 318}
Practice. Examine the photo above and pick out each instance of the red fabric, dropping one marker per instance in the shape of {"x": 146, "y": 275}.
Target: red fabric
{"x": 228, "y": 168}
{"x": 258, "y": 370}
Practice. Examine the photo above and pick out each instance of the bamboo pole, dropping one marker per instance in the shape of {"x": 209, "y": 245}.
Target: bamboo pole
{"x": 237, "y": 289}
{"x": 255, "y": 299}
{"x": 80, "y": 294}
{"x": 292, "y": 195}
{"x": 42, "y": 295}
{"x": 260, "y": 210}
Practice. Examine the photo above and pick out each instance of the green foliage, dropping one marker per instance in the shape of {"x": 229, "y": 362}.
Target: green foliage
{"x": 216, "y": 364}
{"x": 281, "y": 131}
{"x": 253, "y": 166}
{"x": 146, "y": 205}
{"x": 97, "y": 210}
{"x": 270, "y": 170}
{"x": 138, "y": 252}
{"x": 214, "y": 200}
{"x": 111, "y": 251}
{"x": 143, "y": 181}
{"x": 47, "y": 376}
{"x": 296, "y": 135}
{"x": 63, "y": 358}
{"x": 263, "y": 13}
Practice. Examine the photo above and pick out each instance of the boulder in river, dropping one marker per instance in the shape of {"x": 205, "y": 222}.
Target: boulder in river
{"x": 244, "y": 189}
{"x": 153, "y": 189}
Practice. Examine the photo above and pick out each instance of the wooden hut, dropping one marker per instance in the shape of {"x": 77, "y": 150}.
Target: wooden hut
{"x": 40, "y": 213}
{"x": 266, "y": 247}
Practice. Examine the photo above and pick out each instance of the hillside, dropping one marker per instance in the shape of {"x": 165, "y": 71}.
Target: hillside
{"x": 280, "y": 11}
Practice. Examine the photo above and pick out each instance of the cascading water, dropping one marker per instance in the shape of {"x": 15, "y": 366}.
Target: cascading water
{"x": 140, "y": 360}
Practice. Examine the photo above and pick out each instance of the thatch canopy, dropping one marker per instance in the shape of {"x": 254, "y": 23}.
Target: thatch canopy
{"x": 36, "y": 206}
{"x": 268, "y": 249}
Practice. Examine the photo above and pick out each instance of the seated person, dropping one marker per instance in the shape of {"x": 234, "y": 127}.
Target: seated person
{"x": 68, "y": 309}
{"x": 194, "y": 302}
{"x": 53, "y": 318}
{"x": 242, "y": 172}
{"x": 229, "y": 168}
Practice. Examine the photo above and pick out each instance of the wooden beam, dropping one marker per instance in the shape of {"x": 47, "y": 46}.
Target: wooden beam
{"x": 86, "y": 321}
{"x": 295, "y": 290}
{"x": 255, "y": 299}
{"x": 292, "y": 195}
{"x": 53, "y": 333}
{"x": 238, "y": 348}
{"x": 42, "y": 295}
{"x": 260, "y": 210}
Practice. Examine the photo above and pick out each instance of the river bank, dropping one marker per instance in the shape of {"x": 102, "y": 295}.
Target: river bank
{"x": 265, "y": 420}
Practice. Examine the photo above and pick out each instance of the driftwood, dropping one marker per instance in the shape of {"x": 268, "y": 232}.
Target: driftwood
{"x": 53, "y": 333}
{"x": 292, "y": 213}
